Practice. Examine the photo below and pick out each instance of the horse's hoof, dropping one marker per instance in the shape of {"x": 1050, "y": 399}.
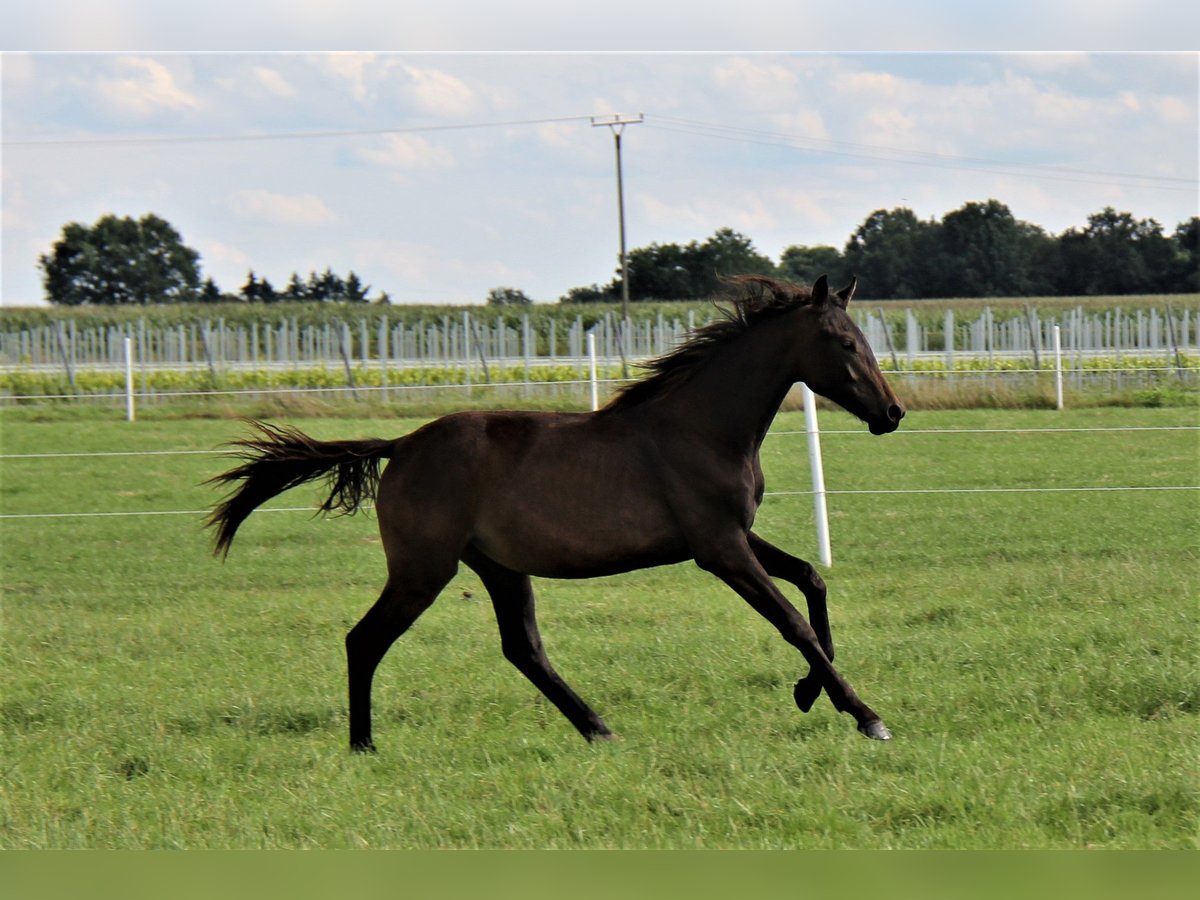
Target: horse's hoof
{"x": 363, "y": 747}
{"x": 806, "y": 693}
{"x": 876, "y": 731}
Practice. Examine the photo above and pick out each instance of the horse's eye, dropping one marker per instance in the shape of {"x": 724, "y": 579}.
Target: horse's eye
{"x": 848, "y": 344}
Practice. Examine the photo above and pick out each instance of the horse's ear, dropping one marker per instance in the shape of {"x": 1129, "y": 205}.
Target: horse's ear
{"x": 845, "y": 294}
{"x": 820, "y": 291}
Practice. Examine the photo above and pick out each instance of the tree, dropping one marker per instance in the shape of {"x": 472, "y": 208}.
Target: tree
{"x": 507, "y": 296}
{"x": 354, "y": 290}
{"x": 661, "y": 271}
{"x": 325, "y": 286}
{"x": 895, "y": 255}
{"x": 592, "y": 293}
{"x": 120, "y": 261}
{"x": 1115, "y": 254}
{"x": 694, "y": 271}
{"x": 1185, "y": 262}
{"x": 209, "y": 292}
{"x": 804, "y": 265}
{"x": 726, "y": 253}
{"x": 259, "y": 291}
{"x": 987, "y": 252}
{"x": 296, "y": 289}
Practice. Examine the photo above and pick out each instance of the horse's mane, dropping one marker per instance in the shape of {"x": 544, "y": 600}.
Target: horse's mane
{"x": 759, "y": 298}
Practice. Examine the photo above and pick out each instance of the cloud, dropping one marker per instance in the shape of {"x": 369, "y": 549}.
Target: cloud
{"x": 273, "y": 82}
{"x": 438, "y": 92}
{"x": 1175, "y": 110}
{"x": 759, "y": 84}
{"x": 743, "y": 211}
{"x": 408, "y": 151}
{"x": 222, "y": 254}
{"x": 143, "y": 87}
{"x": 350, "y": 68}
{"x": 17, "y": 69}
{"x": 260, "y": 205}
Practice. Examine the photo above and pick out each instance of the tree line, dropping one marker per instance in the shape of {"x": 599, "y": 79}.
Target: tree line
{"x": 978, "y": 250}
{"x": 126, "y": 261}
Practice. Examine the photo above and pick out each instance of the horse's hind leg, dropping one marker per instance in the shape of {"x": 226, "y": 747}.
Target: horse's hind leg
{"x": 512, "y": 599}
{"x": 406, "y": 596}
{"x": 780, "y": 564}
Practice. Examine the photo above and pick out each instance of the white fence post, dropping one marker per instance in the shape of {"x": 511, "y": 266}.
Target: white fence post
{"x": 130, "y": 413}
{"x": 591, "y": 349}
{"x": 1058, "y": 387}
{"x": 820, "y": 508}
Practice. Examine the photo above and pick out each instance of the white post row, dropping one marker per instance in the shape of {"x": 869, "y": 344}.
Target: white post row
{"x": 1058, "y": 372}
{"x": 130, "y": 413}
{"x": 821, "y": 510}
{"x": 591, "y": 350}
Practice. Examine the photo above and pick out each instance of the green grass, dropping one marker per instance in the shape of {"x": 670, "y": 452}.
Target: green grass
{"x": 1034, "y": 654}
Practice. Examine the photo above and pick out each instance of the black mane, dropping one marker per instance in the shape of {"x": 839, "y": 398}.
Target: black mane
{"x": 760, "y": 298}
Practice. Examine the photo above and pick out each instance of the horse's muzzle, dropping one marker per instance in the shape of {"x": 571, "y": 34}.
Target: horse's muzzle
{"x": 888, "y": 424}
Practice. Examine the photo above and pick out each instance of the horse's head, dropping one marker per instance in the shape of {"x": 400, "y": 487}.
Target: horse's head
{"x": 838, "y": 362}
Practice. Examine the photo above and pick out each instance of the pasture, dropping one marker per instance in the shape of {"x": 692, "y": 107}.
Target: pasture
{"x": 1034, "y": 653}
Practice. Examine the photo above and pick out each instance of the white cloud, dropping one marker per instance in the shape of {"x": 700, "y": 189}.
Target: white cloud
{"x": 1175, "y": 110}
{"x": 143, "y": 86}
{"x": 408, "y": 151}
{"x": 1130, "y": 101}
{"x": 805, "y": 123}
{"x": 559, "y": 134}
{"x": 873, "y": 85}
{"x": 350, "y": 68}
{"x": 439, "y": 93}
{"x": 745, "y": 212}
{"x": 218, "y": 253}
{"x": 260, "y": 205}
{"x": 273, "y": 82}
{"x": 759, "y": 84}
{"x": 17, "y": 69}
{"x": 1048, "y": 63}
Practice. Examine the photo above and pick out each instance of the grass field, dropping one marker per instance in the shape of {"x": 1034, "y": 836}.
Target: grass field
{"x": 1034, "y": 653}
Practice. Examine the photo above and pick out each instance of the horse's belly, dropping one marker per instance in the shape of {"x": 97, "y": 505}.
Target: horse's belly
{"x": 579, "y": 534}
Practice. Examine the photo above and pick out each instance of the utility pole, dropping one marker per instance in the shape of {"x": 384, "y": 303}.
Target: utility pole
{"x": 616, "y": 124}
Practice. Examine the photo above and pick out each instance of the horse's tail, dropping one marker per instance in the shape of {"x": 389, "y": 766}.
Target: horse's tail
{"x": 279, "y": 458}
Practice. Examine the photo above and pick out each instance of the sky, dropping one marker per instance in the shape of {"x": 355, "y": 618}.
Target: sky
{"x": 436, "y": 175}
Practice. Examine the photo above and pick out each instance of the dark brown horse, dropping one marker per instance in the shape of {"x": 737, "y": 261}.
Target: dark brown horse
{"x": 668, "y": 471}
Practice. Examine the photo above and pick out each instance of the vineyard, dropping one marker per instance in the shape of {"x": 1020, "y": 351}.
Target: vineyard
{"x": 1127, "y": 351}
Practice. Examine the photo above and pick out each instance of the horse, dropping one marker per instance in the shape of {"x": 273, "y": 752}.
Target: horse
{"x": 667, "y": 471}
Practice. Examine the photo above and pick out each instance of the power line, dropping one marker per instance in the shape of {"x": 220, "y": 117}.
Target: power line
{"x": 915, "y": 157}
{"x": 675, "y": 124}
{"x": 278, "y": 136}
{"x": 919, "y": 153}
{"x": 719, "y": 131}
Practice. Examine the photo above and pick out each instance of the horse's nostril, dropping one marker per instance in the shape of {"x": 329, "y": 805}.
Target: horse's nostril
{"x": 895, "y": 412}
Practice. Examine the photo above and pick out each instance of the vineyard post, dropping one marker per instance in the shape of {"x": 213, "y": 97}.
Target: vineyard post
{"x": 595, "y": 388}
{"x": 1058, "y": 373}
{"x": 130, "y": 413}
{"x": 343, "y": 334}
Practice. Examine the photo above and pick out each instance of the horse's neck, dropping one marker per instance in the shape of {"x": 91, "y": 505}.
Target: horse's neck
{"x": 733, "y": 397}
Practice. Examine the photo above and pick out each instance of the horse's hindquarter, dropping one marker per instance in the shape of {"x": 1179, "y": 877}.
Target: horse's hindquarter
{"x": 572, "y": 496}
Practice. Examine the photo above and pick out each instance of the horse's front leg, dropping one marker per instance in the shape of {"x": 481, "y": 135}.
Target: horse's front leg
{"x": 780, "y": 564}
{"x": 733, "y": 561}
